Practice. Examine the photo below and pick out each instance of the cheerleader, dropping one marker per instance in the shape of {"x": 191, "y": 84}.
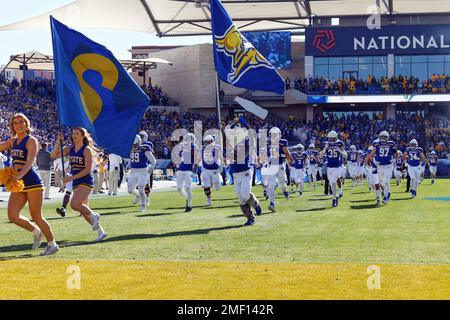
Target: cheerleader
{"x": 81, "y": 179}
{"x": 24, "y": 149}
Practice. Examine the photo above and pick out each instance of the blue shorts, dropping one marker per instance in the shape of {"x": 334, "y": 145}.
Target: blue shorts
{"x": 32, "y": 181}
{"x": 87, "y": 181}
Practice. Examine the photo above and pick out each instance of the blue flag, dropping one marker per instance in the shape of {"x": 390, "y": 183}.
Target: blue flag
{"x": 94, "y": 91}
{"x": 237, "y": 61}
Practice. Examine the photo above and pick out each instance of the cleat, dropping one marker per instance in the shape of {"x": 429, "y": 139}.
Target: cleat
{"x": 385, "y": 200}
{"x": 209, "y": 202}
{"x": 101, "y": 237}
{"x": 136, "y": 200}
{"x": 300, "y": 194}
{"x": 258, "y": 210}
{"x": 61, "y": 211}
{"x": 378, "y": 203}
{"x": 50, "y": 250}
{"x": 143, "y": 208}
{"x": 413, "y": 193}
{"x": 286, "y": 194}
{"x": 272, "y": 207}
{"x": 334, "y": 202}
{"x": 37, "y": 241}
{"x": 95, "y": 219}
{"x": 188, "y": 209}
{"x": 249, "y": 222}
{"x": 341, "y": 194}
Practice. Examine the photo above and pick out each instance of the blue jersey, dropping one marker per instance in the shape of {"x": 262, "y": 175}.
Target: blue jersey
{"x": 210, "y": 157}
{"x": 19, "y": 155}
{"x": 333, "y": 155}
{"x": 312, "y": 156}
{"x": 187, "y": 155}
{"x": 138, "y": 157}
{"x": 352, "y": 157}
{"x": 299, "y": 160}
{"x": 76, "y": 160}
{"x": 414, "y": 156}
{"x": 384, "y": 151}
{"x": 19, "y": 152}
{"x": 241, "y": 161}
{"x": 276, "y": 153}
{"x": 147, "y": 145}
{"x": 433, "y": 160}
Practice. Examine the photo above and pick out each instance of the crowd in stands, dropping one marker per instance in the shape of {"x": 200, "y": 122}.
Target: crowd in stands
{"x": 358, "y": 128}
{"x": 156, "y": 95}
{"x": 384, "y": 85}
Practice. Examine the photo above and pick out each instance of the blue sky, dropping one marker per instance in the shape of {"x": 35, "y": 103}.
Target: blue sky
{"x": 20, "y": 41}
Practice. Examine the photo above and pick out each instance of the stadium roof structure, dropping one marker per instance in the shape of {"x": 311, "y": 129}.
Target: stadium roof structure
{"x": 35, "y": 60}
{"x": 192, "y": 17}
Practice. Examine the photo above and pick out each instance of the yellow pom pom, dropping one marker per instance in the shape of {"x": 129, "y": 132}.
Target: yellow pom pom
{"x": 15, "y": 186}
{"x": 6, "y": 175}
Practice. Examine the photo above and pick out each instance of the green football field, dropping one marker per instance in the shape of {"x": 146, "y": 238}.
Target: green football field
{"x": 303, "y": 231}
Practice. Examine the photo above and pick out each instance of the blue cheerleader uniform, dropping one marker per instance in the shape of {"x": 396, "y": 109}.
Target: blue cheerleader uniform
{"x": 19, "y": 154}
{"x": 77, "y": 164}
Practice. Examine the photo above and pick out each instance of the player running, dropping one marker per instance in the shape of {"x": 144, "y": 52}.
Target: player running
{"x": 189, "y": 156}
{"x": 139, "y": 156}
{"x": 211, "y": 166}
{"x": 240, "y": 157}
{"x": 383, "y": 152}
{"x": 399, "y": 167}
{"x": 360, "y": 168}
{"x": 352, "y": 164}
{"x": 413, "y": 155}
{"x": 334, "y": 153}
{"x": 277, "y": 154}
{"x": 372, "y": 177}
{"x": 300, "y": 160}
{"x": 433, "y": 162}
{"x": 313, "y": 157}
{"x": 149, "y": 145}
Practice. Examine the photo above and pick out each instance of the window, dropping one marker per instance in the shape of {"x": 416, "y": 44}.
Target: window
{"x": 421, "y": 66}
{"x": 344, "y": 67}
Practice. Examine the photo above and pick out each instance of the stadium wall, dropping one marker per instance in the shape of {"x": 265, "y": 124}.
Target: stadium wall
{"x": 191, "y": 79}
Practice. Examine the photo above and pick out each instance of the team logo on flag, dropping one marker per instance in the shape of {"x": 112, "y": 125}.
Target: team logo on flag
{"x": 242, "y": 53}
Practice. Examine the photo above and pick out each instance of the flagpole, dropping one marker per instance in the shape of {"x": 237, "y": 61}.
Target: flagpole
{"x": 62, "y": 152}
{"x": 219, "y": 123}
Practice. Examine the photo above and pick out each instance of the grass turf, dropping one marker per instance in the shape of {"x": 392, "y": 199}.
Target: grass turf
{"x": 305, "y": 250}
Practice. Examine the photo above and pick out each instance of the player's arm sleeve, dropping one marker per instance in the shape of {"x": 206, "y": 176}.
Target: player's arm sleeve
{"x": 151, "y": 158}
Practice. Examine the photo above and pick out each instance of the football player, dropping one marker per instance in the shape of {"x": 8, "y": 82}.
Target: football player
{"x": 211, "y": 166}
{"x": 334, "y": 153}
{"x": 413, "y": 155}
{"x": 384, "y": 153}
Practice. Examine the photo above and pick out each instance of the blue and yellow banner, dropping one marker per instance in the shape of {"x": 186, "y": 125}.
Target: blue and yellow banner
{"x": 94, "y": 91}
{"x": 237, "y": 61}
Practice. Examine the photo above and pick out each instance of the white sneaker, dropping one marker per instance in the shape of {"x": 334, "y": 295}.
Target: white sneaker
{"x": 101, "y": 236}
{"x": 136, "y": 200}
{"x": 209, "y": 203}
{"x": 95, "y": 219}
{"x": 50, "y": 250}
{"x": 37, "y": 241}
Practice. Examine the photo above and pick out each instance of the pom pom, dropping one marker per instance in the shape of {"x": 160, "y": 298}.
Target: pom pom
{"x": 15, "y": 186}
{"x": 7, "y": 178}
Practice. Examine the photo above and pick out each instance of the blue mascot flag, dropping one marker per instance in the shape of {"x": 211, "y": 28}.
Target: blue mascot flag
{"x": 237, "y": 61}
{"x": 94, "y": 91}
